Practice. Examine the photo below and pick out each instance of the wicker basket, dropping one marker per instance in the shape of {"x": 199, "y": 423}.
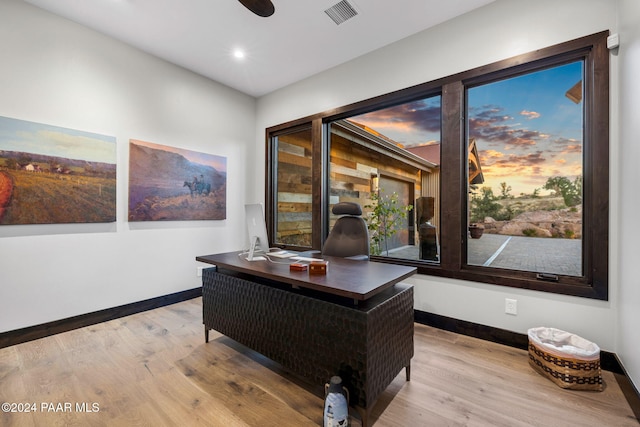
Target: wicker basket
{"x": 566, "y": 359}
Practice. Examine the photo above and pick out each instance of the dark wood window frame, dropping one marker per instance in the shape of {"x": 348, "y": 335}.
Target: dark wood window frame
{"x": 593, "y": 51}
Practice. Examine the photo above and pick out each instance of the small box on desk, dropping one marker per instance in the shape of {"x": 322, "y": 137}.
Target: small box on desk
{"x": 318, "y": 267}
{"x": 297, "y": 266}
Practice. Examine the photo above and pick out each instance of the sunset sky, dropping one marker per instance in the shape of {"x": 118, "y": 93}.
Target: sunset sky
{"x": 526, "y": 129}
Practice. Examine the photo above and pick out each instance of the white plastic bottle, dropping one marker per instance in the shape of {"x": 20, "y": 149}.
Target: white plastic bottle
{"x": 336, "y": 404}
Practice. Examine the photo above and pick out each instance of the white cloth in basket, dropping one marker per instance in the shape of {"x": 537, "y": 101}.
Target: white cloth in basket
{"x": 561, "y": 343}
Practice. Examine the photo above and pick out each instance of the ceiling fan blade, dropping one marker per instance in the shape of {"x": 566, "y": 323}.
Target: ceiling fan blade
{"x": 262, "y": 8}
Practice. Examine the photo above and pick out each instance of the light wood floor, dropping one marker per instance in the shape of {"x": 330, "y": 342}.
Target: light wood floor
{"x": 154, "y": 369}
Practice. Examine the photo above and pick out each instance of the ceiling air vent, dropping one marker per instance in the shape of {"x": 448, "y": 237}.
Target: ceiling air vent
{"x": 341, "y": 12}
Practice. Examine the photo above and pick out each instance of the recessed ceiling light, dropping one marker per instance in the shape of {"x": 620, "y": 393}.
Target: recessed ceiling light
{"x": 238, "y": 53}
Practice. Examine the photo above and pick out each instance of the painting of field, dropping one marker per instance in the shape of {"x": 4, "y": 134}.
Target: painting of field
{"x": 173, "y": 184}
{"x": 55, "y": 175}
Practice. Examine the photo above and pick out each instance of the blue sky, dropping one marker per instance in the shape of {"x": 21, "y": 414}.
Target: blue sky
{"x": 38, "y": 138}
{"x": 526, "y": 129}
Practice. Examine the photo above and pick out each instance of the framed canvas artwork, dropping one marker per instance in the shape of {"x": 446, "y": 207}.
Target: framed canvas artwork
{"x": 55, "y": 175}
{"x": 173, "y": 184}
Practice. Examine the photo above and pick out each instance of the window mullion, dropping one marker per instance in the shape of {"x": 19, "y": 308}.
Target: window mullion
{"x": 452, "y": 182}
{"x": 318, "y": 174}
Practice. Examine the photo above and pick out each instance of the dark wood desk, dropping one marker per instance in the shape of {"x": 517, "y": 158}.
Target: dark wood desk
{"x": 309, "y": 323}
{"x": 359, "y": 280}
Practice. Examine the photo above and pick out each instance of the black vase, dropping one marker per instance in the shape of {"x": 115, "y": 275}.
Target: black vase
{"x": 475, "y": 231}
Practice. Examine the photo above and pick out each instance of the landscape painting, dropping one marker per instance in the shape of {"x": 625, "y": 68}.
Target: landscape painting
{"x": 55, "y": 175}
{"x": 173, "y": 184}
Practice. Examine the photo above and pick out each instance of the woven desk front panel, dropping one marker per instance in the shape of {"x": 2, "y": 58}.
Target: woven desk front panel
{"x": 316, "y": 339}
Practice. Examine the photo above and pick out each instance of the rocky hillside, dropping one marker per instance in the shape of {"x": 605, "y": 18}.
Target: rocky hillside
{"x": 538, "y": 218}
{"x": 166, "y": 169}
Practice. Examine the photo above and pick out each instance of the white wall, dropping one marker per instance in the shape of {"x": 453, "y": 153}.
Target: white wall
{"x": 56, "y": 72}
{"x": 627, "y": 214}
{"x": 497, "y": 31}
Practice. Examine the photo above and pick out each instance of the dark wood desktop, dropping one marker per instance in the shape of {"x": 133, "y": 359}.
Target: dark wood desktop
{"x": 310, "y": 324}
{"x": 359, "y": 280}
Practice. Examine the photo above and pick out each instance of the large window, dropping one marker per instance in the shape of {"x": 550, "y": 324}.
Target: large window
{"x": 497, "y": 174}
{"x": 388, "y": 161}
{"x": 292, "y": 189}
{"x": 526, "y": 171}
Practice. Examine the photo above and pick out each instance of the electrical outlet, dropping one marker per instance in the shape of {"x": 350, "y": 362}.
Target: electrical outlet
{"x": 511, "y": 306}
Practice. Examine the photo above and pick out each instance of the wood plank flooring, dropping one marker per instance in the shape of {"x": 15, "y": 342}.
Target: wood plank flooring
{"x": 154, "y": 369}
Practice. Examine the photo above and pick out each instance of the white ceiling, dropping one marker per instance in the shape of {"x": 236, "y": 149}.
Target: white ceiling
{"x": 297, "y": 41}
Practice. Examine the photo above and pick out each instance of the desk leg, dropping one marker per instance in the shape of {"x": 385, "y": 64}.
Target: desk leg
{"x": 364, "y": 416}
{"x": 407, "y": 370}
{"x": 206, "y": 334}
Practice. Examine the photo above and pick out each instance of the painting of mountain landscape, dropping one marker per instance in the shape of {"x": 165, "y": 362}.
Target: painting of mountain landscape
{"x": 55, "y": 175}
{"x": 173, "y": 184}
